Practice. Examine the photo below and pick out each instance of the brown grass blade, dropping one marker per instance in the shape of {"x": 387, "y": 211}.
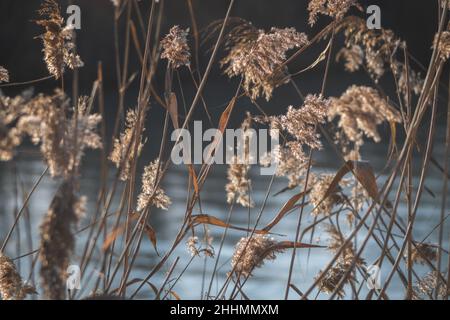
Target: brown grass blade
{"x": 363, "y": 172}
{"x": 285, "y": 209}
{"x": 112, "y": 236}
{"x": 150, "y": 232}
{"x": 207, "y": 219}
{"x": 172, "y": 108}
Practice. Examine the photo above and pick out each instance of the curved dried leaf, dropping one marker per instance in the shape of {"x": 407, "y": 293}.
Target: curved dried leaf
{"x": 363, "y": 172}
{"x": 207, "y": 219}
{"x": 138, "y": 280}
{"x": 194, "y": 178}
{"x": 223, "y": 122}
{"x": 285, "y": 209}
{"x": 112, "y": 236}
{"x": 151, "y": 235}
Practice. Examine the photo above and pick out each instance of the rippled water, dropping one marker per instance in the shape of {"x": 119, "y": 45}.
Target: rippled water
{"x": 268, "y": 282}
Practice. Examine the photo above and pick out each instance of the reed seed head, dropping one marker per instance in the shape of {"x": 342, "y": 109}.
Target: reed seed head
{"x": 192, "y": 246}
{"x": 239, "y": 184}
{"x": 332, "y": 8}
{"x": 300, "y": 124}
{"x": 195, "y": 249}
{"x": 259, "y": 59}
{"x": 58, "y": 241}
{"x": 415, "y": 81}
{"x": 251, "y": 252}
{"x": 336, "y": 242}
{"x": 353, "y": 57}
{"x": 4, "y": 75}
{"x": 427, "y": 286}
{"x": 360, "y": 109}
{"x": 377, "y": 48}
{"x": 152, "y": 195}
{"x": 444, "y": 45}
{"x": 124, "y": 151}
{"x": 423, "y": 253}
{"x": 175, "y": 47}
{"x": 11, "y": 110}
{"x": 291, "y": 163}
{"x": 11, "y": 284}
{"x": 320, "y": 185}
{"x": 59, "y": 46}
{"x": 10, "y": 138}
{"x": 63, "y": 140}
{"x": 331, "y": 279}
{"x": 43, "y": 118}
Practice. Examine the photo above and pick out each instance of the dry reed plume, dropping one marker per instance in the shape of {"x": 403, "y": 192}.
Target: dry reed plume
{"x": 58, "y": 240}
{"x": 250, "y": 253}
{"x": 332, "y": 8}
{"x": 360, "y": 110}
{"x": 4, "y": 75}
{"x": 124, "y": 153}
{"x": 239, "y": 184}
{"x": 151, "y": 194}
{"x": 11, "y": 284}
{"x": 300, "y": 124}
{"x": 320, "y": 185}
{"x": 259, "y": 60}
{"x": 59, "y": 48}
{"x": 175, "y": 47}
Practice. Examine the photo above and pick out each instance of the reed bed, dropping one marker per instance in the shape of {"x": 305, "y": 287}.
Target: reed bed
{"x": 353, "y": 207}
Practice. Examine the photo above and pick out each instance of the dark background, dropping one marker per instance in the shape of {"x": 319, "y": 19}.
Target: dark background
{"x": 413, "y": 21}
{"x": 20, "y": 53}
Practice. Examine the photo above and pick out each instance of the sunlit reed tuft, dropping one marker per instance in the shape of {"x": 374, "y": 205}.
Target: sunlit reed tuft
{"x": 59, "y": 47}
{"x": 175, "y": 47}
{"x": 11, "y": 284}
{"x": 152, "y": 195}
{"x": 4, "y": 75}
{"x": 58, "y": 240}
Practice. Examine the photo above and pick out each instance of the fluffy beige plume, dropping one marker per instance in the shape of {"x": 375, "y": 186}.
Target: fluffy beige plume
{"x": 59, "y": 47}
